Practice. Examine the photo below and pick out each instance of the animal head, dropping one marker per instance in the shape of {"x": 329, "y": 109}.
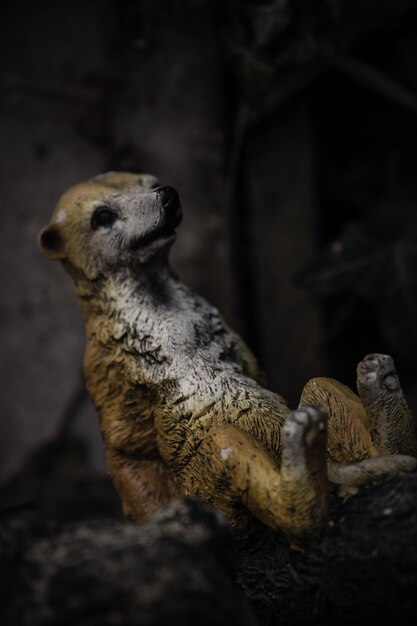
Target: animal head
{"x": 114, "y": 220}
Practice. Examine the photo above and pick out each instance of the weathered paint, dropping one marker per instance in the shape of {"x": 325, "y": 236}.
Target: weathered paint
{"x": 181, "y": 405}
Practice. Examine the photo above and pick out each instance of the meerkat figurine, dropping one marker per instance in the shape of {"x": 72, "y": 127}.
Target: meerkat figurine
{"x": 181, "y": 405}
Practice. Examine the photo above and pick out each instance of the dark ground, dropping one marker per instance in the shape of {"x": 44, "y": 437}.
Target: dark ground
{"x": 183, "y": 566}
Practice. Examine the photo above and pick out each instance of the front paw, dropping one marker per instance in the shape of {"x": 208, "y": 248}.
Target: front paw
{"x": 304, "y": 427}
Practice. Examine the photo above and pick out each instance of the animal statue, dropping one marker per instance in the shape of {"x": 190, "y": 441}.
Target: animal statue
{"x": 181, "y": 403}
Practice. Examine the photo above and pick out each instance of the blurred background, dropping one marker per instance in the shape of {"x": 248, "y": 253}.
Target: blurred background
{"x": 290, "y": 130}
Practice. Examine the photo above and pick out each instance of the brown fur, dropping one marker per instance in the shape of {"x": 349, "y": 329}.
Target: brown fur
{"x": 181, "y": 407}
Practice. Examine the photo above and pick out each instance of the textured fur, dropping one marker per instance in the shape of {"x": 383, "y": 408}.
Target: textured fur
{"x": 181, "y": 407}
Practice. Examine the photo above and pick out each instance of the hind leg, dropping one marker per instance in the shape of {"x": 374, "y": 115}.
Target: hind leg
{"x": 392, "y": 426}
{"x": 231, "y": 468}
{"x": 354, "y": 457}
{"x": 349, "y": 438}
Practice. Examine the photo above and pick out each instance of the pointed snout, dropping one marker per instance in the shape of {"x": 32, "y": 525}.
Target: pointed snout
{"x": 170, "y": 200}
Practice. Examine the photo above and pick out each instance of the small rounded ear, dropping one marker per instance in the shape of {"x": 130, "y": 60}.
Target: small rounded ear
{"x": 51, "y": 242}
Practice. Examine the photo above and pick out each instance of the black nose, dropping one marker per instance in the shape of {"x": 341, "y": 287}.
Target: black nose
{"x": 169, "y": 198}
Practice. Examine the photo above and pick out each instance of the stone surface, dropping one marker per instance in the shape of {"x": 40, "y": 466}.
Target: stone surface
{"x": 176, "y": 569}
{"x": 180, "y": 566}
{"x": 362, "y": 569}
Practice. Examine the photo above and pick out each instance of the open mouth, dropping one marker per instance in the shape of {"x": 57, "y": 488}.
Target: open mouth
{"x": 164, "y": 234}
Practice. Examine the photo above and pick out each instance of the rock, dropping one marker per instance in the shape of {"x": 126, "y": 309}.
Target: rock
{"x": 175, "y": 569}
{"x": 182, "y": 567}
{"x": 363, "y": 569}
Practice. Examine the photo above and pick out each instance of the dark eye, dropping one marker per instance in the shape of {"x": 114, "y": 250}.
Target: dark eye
{"x": 103, "y": 216}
